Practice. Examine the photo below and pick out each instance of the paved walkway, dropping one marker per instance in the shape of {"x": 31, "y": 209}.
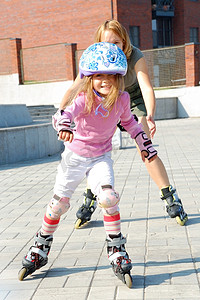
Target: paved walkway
{"x": 165, "y": 256}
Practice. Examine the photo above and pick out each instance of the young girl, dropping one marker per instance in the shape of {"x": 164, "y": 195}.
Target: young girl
{"x": 138, "y": 85}
{"x": 96, "y": 110}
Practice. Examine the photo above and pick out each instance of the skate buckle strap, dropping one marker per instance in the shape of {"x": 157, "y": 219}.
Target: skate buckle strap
{"x": 174, "y": 203}
{"x": 38, "y": 251}
{"x": 116, "y": 255}
{"x": 42, "y": 241}
{"x": 116, "y": 242}
{"x": 170, "y": 193}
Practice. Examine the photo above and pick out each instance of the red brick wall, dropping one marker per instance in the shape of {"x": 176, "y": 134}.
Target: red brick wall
{"x": 50, "y": 22}
{"x": 178, "y": 23}
{"x": 5, "y": 57}
{"x": 10, "y": 57}
{"x": 49, "y": 63}
{"x": 137, "y": 13}
{"x": 187, "y": 14}
{"x": 47, "y": 22}
{"x": 192, "y": 63}
{"x": 192, "y": 18}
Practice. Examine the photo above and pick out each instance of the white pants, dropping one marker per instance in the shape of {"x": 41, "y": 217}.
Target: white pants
{"x": 73, "y": 168}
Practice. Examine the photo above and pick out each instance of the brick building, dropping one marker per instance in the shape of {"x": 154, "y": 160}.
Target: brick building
{"x": 154, "y": 23}
{"x": 40, "y": 40}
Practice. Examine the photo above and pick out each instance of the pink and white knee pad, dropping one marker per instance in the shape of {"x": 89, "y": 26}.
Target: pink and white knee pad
{"x": 58, "y": 206}
{"x": 108, "y": 200}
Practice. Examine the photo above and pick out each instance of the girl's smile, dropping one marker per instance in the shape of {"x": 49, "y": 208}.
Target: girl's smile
{"x": 102, "y": 83}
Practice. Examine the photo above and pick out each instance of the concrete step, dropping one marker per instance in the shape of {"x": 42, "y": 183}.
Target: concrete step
{"x": 28, "y": 134}
{"x": 42, "y": 112}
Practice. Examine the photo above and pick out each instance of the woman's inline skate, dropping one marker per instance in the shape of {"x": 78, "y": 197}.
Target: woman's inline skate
{"x": 174, "y": 205}
{"x": 119, "y": 258}
{"x": 86, "y": 210}
{"x": 37, "y": 255}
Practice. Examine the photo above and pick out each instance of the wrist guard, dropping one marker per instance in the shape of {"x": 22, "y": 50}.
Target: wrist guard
{"x": 145, "y": 144}
{"x": 60, "y": 122}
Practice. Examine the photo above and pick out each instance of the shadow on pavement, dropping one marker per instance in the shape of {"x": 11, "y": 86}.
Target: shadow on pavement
{"x": 38, "y": 161}
{"x": 192, "y": 219}
{"x": 139, "y": 281}
{"x": 158, "y": 279}
{"x": 59, "y": 272}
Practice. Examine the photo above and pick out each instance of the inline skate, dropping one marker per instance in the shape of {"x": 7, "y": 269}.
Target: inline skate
{"x": 174, "y": 205}
{"x": 86, "y": 210}
{"x": 37, "y": 255}
{"x": 119, "y": 259}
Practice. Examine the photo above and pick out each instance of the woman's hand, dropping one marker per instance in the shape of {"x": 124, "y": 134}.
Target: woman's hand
{"x": 151, "y": 125}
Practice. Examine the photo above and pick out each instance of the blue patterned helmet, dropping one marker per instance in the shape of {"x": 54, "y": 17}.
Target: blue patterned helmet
{"x": 105, "y": 58}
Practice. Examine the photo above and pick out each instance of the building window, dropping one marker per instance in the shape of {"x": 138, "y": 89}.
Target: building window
{"x": 194, "y": 34}
{"x": 162, "y": 32}
{"x": 134, "y": 33}
{"x": 154, "y": 31}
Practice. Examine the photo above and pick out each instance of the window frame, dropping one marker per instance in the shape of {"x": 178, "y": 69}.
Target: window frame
{"x": 194, "y": 34}
{"x": 134, "y": 36}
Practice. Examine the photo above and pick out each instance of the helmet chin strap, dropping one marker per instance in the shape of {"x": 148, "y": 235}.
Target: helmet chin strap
{"x": 100, "y": 108}
{"x": 97, "y": 93}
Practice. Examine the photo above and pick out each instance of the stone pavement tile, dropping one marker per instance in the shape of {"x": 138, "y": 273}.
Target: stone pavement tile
{"x": 55, "y": 280}
{"x": 18, "y": 294}
{"x": 103, "y": 261}
{"x": 99, "y": 293}
{"x": 105, "y": 277}
{"x": 160, "y": 277}
{"x": 83, "y": 279}
{"x": 3, "y": 294}
{"x": 184, "y": 277}
{"x": 65, "y": 260}
{"x": 129, "y": 294}
{"x": 87, "y": 260}
{"x": 73, "y": 247}
{"x": 172, "y": 292}
{"x": 61, "y": 294}
{"x": 14, "y": 284}
{"x": 137, "y": 254}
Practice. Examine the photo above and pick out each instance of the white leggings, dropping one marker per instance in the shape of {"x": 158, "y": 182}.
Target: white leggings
{"x": 73, "y": 168}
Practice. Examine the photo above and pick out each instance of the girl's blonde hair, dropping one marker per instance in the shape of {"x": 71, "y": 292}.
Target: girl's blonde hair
{"x": 119, "y": 30}
{"x": 86, "y": 87}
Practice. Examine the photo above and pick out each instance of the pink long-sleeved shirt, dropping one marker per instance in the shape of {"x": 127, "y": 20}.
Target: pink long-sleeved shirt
{"x": 94, "y": 131}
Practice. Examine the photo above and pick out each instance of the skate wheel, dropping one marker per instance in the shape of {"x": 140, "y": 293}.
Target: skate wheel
{"x": 181, "y": 222}
{"x": 78, "y": 223}
{"x": 128, "y": 280}
{"x": 21, "y": 274}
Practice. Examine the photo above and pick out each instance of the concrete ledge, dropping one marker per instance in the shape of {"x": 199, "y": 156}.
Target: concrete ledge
{"x": 188, "y": 104}
{"x": 166, "y": 108}
{"x": 14, "y": 115}
{"x": 28, "y": 142}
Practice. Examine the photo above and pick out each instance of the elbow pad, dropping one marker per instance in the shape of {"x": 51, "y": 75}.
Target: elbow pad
{"x": 60, "y": 122}
{"x": 145, "y": 144}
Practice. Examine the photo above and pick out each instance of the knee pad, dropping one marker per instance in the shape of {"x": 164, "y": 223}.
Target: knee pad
{"x": 58, "y": 206}
{"x": 108, "y": 199}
